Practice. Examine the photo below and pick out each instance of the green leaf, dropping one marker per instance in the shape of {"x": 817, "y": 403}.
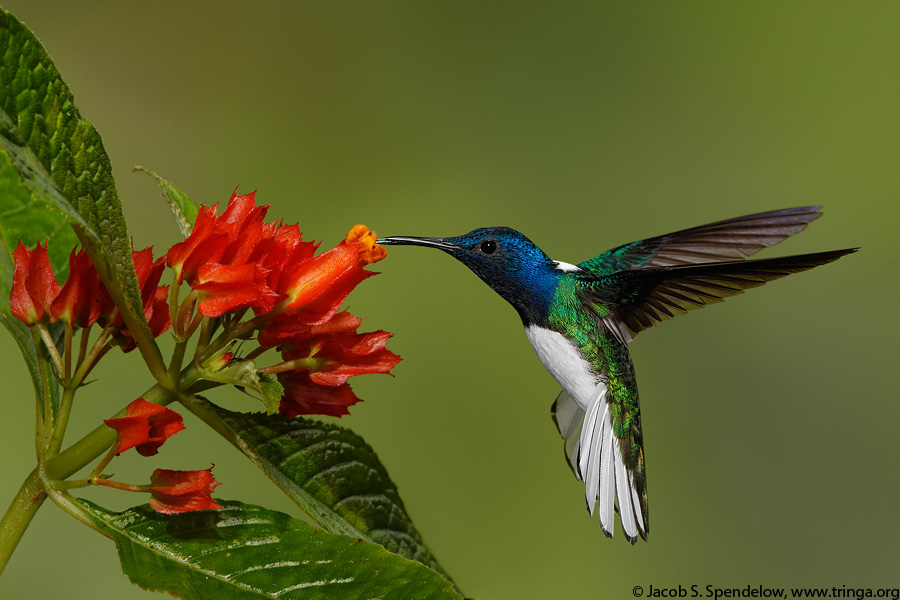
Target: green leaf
{"x": 184, "y": 208}
{"x": 272, "y": 391}
{"x": 334, "y": 475}
{"x": 249, "y": 552}
{"x": 61, "y": 160}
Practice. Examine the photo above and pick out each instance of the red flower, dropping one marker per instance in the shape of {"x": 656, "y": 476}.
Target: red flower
{"x": 336, "y": 358}
{"x": 333, "y": 275}
{"x": 221, "y": 257}
{"x": 34, "y": 287}
{"x": 173, "y": 492}
{"x": 303, "y": 397}
{"x": 333, "y": 358}
{"x": 145, "y": 426}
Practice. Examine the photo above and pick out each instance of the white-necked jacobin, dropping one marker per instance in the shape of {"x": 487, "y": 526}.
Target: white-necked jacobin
{"x": 581, "y": 318}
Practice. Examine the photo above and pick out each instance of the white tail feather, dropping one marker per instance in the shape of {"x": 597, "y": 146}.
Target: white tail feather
{"x": 588, "y": 468}
{"x": 626, "y": 507}
{"x": 607, "y": 482}
{"x": 595, "y": 456}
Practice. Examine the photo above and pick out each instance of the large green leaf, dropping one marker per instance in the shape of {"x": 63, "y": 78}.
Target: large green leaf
{"x": 248, "y": 552}
{"x": 334, "y": 475}
{"x": 61, "y": 160}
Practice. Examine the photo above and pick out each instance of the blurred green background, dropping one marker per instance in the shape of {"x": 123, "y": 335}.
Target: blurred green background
{"x": 770, "y": 422}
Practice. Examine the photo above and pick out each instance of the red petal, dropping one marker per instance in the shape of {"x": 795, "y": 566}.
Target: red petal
{"x": 80, "y": 299}
{"x": 225, "y": 288}
{"x": 316, "y": 275}
{"x": 180, "y": 252}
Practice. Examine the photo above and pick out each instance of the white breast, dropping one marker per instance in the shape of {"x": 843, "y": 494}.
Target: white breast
{"x": 565, "y": 363}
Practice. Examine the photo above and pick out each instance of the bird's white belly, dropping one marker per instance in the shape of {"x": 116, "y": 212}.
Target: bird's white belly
{"x": 565, "y": 363}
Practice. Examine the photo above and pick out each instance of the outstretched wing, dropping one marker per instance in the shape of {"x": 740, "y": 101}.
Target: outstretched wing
{"x": 641, "y": 298}
{"x": 727, "y": 240}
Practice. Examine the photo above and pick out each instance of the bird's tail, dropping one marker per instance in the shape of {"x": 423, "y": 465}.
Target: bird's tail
{"x": 595, "y": 455}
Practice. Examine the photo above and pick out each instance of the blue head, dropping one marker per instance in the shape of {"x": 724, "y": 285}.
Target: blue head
{"x": 504, "y": 259}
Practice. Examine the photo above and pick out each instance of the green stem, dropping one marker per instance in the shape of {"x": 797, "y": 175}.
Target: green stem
{"x": 63, "y": 500}
{"x": 98, "y": 350}
{"x": 310, "y": 363}
{"x": 44, "y": 408}
{"x": 82, "y": 350}
{"x": 51, "y": 348}
{"x": 127, "y": 487}
{"x": 206, "y": 331}
{"x": 67, "y": 354}
{"x": 174, "y": 289}
{"x": 62, "y": 420}
{"x": 102, "y": 464}
{"x": 18, "y": 516}
{"x": 177, "y": 359}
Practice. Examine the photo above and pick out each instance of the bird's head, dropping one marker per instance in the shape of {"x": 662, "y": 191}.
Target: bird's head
{"x": 504, "y": 259}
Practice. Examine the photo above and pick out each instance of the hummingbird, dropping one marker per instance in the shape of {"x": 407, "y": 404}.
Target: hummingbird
{"x": 581, "y": 318}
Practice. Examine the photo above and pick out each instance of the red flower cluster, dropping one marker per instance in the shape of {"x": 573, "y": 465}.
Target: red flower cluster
{"x": 83, "y": 300}
{"x": 235, "y": 260}
{"x": 232, "y": 262}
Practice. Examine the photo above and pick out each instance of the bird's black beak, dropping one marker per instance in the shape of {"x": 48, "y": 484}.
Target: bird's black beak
{"x": 439, "y": 243}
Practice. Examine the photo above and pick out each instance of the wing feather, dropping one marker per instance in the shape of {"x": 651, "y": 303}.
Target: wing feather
{"x": 643, "y": 298}
{"x": 727, "y": 240}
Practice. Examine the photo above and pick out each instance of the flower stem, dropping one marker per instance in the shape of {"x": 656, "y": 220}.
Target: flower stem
{"x": 62, "y": 420}
{"x": 298, "y": 363}
{"x": 63, "y": 500}
{"x": 177, "y": 358}
{"x": 98, "y": 350}
{"x": 127, "y": 487}
{"x": 82, "y": 350}
{"x": 51, "y": 347}
{"x": 18, "y": 516}
{"x": 67, "y": 354}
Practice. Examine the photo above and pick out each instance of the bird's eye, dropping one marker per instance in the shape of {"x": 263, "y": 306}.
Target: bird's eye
{"x": 489, "y": 246}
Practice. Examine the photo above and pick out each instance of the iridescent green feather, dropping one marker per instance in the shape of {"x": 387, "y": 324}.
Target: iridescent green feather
{"x": 576, "y": 315}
